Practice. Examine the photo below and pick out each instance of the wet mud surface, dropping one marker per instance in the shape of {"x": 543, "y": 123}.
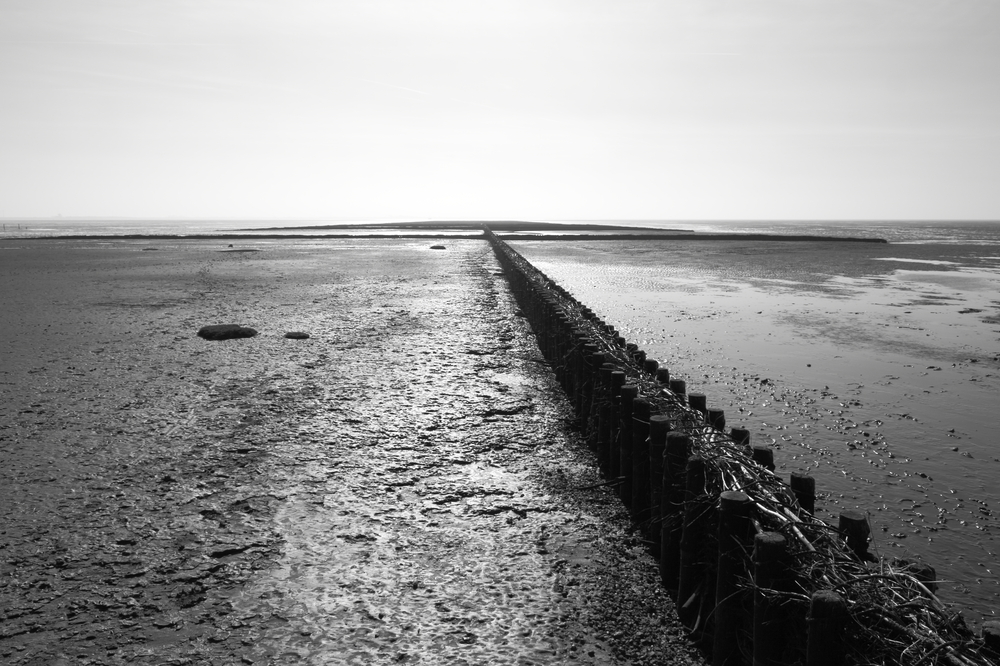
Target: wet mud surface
{"x": 401, "y": 487}
{"x": 875, "y": 369}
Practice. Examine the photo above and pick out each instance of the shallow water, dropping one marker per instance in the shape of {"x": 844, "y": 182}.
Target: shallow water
{"x": 876, "y": 368}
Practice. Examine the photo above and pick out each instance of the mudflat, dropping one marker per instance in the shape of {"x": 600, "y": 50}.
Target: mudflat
{"x": 873, "y": 368}
{"x": 399, "y": 487}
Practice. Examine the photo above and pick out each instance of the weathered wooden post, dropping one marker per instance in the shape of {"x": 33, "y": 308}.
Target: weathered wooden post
{"x": 586, "y": 383}
{"x": 698, "y": 402}
{"x": 663, "y": 376}
{"x": 640, "y": 459}
{"x": 677, "y": 451}
{"x": 629, "y": 393}
{"x": 740, "y": 436}
{"x": 551, "y": 328}
{"x": 603, "y": 408}
{"x": 764, "y": 457}
{"x": 770, "y": 557}
{"x": 679, "y": 388}
{"x": 717, "y": 419}
{"x": 826, "y": 620}
{"x": 659, "y": 426}
{"x": 854, "y": 526}
{"x": 649, "y": 366}
{"x": 991, "y": 635}
{"x": 804, "y": 489}
{"x": 734, "y": 542}
{"x": 573, "y": 354}
{"x": 560, "y": 350}
{"x": 694, "y": 564}
{"x": 540, "y": 322}
{"x": 614, "y": 454}
{"x": 594, "y": 397}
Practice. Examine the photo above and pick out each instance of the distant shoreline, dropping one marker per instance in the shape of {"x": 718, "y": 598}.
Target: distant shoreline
{"x": 510, "y": 230}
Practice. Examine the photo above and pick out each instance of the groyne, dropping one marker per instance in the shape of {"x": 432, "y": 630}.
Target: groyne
{"x": 661, "y": 236}
{"x": 755, "y": 576}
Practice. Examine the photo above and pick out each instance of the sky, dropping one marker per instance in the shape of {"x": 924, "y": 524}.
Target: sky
{"x": 501, "y": 109}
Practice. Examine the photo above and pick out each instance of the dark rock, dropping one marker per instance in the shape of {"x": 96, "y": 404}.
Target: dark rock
{"x": 438, "y": 247}
{"x": 225, "y": 332}
{"x": 296, "y": 335}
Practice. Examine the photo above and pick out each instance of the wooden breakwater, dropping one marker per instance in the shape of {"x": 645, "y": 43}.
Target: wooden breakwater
{"x": 665, "y": 236}
{"x": 755, "y": 576}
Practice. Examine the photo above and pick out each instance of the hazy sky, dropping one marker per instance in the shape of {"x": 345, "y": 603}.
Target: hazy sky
{"x": 533, "y": 109}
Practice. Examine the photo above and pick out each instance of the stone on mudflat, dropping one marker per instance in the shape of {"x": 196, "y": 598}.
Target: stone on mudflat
{"x": 296, "y": 335}
{"x": 225, "y": 332}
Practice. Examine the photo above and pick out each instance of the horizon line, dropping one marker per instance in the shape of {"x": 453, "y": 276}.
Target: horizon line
{"x": 389, "y": 220}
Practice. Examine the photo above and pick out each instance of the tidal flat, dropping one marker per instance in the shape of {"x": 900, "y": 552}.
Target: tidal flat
{"x": 874, "y": 368}
{"x": 399, "y": 487}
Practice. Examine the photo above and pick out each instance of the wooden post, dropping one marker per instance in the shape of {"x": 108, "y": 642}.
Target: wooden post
{"x": 659, "y": 426}
{"x": 991, "y": 635}
{"x": 855, "y": 528}
{"x": 629, "y": 393}
{"x": 573, "y": 352}
{"x": 679, "y": 388}
{"x": 717, "y": 419}
{"x": 649, "y": 366}
{"x": 614, "y": 454}
{"x": 604, "y": 418}
{"x": 730, "y": 615}
{"x": 698, "y": 402}
{"x": 586, "y": 387}
{"x": 663, "y": 376}
{"x": 740, "y": 436}
{"x": 764, "y": 457}
{"x": 560, "y": 350}
{"x": 676, "y": 453}
{"x": 804, "y": 489}
{"x": 594, "y": 396}
{"x": 770, "y": 556}
{"x": 697, "y": 519}
{"x": 826, "y": 620}
{"x": 640, "y": 459}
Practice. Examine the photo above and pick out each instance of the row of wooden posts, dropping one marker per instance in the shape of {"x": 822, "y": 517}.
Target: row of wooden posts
{"x": 724, "y": 573}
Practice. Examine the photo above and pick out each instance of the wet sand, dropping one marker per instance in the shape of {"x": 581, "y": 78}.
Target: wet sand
{"x": 874, "y": 368}
{"x": 398, "y": 488}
